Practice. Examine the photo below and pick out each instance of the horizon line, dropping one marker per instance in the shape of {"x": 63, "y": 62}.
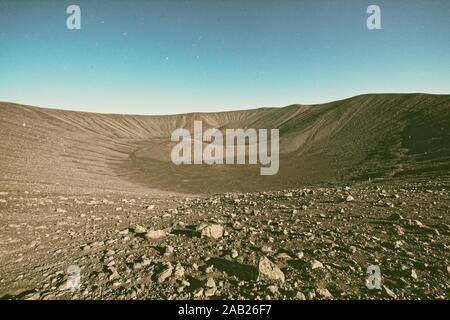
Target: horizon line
{"x": 225, "y": 111}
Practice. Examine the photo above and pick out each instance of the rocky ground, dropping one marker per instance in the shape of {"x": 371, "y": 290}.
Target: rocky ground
{"x": 312, "y": 243}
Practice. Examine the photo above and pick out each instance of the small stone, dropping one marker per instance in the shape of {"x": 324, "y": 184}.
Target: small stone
{"x": 110, "y": 253}
{"x": 210, "y": 283}
{"x": 185, "y": 283}
{"x": 234, "y": 254}
{"x": 300, "y": 296}
{"x": 113, "y": 274}
{"x": 155, "y": 234}
{"x": 179, "y": 271}
{"x": 399, "y": 230}
{"x": 137, "y": 266}
{"x": 198, "y": 293}
{"x": 237, "y": 226}
{"x": 352, "y": 249}
{"x": 146, "y": 262}
{"x": 324, "y": 293}
{"x": 389, "y": 204}
{"x": 349, "y": 199}
{"x": 389, "y": 292}
{"x": 168, "y": 250}
{"x": 269, "y": 270}
{"x": 59, "y": 210}
{"x": 316, "y": 264}
{"x": 283, "y": 256}
{"x": 165, "y": 273}
{"x": 273, "y": 289}
{"x": 214, "y": 231}
{"x": 210, "y": 292}
{"x": 414, "y": 274}
{"x": 398, "y": 244}
{"x": 139, "y": 229}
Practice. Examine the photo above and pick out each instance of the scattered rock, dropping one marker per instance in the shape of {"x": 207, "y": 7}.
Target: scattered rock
{"x": 349, "y": 199}
{"x": 113, "y": 274}
{"x": 269, "y": 270}
{"x": 283, "y": 256}
{"x": 139, "y": 229}
{"x": 324, "y": 293}
{"x": 300, "y": 296}
{"x": 155, "y": 234}
{"x": 273, "y": 289}
{"x": 389, "y": 292}
{"x": 398, "y": 244}
{"x": 210, "y": 292}
{"x": 168, "y": 250}
{"x": 179, "y": 271}
{"x": 214, "y": 231}
{"x": 145, "y": 261}
{"x": 165, "y": 273}
{"x": 316, "y": 264}
{"x": 237, "y": 226}
{"x": 210, "y": 283}
{"x": 94, "y": 237}
{"x": 198, "y": 292}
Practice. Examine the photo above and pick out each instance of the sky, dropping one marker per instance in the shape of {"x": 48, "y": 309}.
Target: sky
{"x": 168, "y": 56}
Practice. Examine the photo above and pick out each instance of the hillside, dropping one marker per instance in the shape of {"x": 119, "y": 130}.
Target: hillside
{"x": 376, "y": 136}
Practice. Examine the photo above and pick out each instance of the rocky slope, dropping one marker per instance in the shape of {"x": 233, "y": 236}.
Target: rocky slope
{"x": 294, "y": 244}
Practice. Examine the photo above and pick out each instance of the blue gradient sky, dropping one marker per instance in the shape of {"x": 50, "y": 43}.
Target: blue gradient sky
{"x": 159, "y": 57}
